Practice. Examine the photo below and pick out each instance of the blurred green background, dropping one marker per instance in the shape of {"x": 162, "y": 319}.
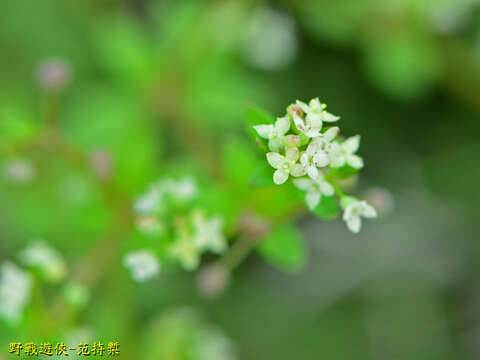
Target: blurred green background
{"x": 156, "y": 87}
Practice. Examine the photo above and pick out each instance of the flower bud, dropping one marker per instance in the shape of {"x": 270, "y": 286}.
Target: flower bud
{"x": 101, "y": 163}
{"x": 381, "y": 199}
{"x": 292, "y": 141}
{"x": 212, "y": 280}
{"x": 53, "y": 74}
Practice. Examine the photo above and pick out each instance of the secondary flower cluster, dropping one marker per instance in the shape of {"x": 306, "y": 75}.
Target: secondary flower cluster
{"x": 164, "y": 213}
{"x": 301, "y": 146}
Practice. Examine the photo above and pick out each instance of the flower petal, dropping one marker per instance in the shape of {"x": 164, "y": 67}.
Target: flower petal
{"x": 314, "y": 120}
{"x": 304, "y": 159}
{"x": 292, "y": 154}
{"x": 327, "y": 117}
{"x": 327, "y": 188}
{"x": 337, "y": 161}
{"x": 313, "y": 133}
{"x": 313, "y": 198}
{"x": 305, "y": 108}
{"x": 299, "y": 123}
{"x": 368, "y": 210}
{"x": 274, "y": 159}
{"x": 275, "y": 144}
{"x": 331, "y": 133}
{"x": 321, "y": 159}
{"x": 355, "y": 161}
{"x": 354, "y": 223}
{"x": 280, "y": 176}
{"x": 352, "y": 144}
{"x": 297, "y": 170}
{"x": 312, "y": 171}
{"x": 282, "y": 125}
{"x": 303, "y": 183}
{"x": 264, "y": 131}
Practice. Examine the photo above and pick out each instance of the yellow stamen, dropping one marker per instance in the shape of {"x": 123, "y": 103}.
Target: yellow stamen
{"x": 283, "y": 157}
{"x": 324, "y": 106}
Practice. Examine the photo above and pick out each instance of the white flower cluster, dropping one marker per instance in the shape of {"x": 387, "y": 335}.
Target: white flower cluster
{"x": 301, "y": 146}
{"x": 197, "y": 236}
{"x": 152, "y": 205}
{"x": 164, "y": 212}
{"x": 142, "y": 264}
{"x": 42, "y": 256}
{"x": 15, "y": 287}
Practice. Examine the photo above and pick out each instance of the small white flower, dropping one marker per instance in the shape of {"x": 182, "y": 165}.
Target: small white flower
{"x": 208, "y": 233}
{"x": 316, "y": 154}
{"x": 315, "y": 115}
{"x": 185, "y": 251}
{"x": 19, "y": 171}
{"x": 345, "y": 153}
{"x": 42, "y": 256}
{"x": 274, "y": 133}
{"x": 142, "y": 264}
{"x": 149, "y": 202}
{"x": 354, "y": 210}
{"x": 15, "y": 285}
{"x": 185, "y": 189}
{"x": 314, "y": 188}
{"x": 285, "y": 165}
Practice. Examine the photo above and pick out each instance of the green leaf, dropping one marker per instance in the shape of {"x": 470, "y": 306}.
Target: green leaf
{"x": 284, "y": 248}
{"x": 238, "y": 161}
{"x": 262, "y": 175}
{"x": 343, "y": 172}
{"x": 327, "y": 208}
{"x": 255, "y": 116}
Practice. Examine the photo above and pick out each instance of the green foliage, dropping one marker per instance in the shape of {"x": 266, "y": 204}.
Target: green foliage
{"x": 262, "y": 175}
{"x": 327, "y": 208}
{"x": 284, "y": 248}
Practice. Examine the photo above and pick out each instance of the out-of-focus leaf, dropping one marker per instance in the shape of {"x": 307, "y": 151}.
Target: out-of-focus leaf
{"x": 343, "y": 172}
{"x": 284, "y": 248}
{"x": 103, "y": 118}
{"x": 404, "y": 65}
{"x": 327, "y": 208}
{"x": 125, "y": 52}
{"x": 16, "y": 124}
{"x": 262, "y": 175}
{"x": 239, "y": 161}
{"x": 255, "y": 116}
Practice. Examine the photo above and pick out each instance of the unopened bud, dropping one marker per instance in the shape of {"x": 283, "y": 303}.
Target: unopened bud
{"x": 381, "y": 199}
{"x": 292, "y": 141}
{"x": 53, "y": 74}
{"x": 101, "y": 163}
{"x": 212, "y": 280}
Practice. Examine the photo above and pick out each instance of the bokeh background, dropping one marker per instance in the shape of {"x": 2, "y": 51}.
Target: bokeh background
{"x": 148, "y": 86}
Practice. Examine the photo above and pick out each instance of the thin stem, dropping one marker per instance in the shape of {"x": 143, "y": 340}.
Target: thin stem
{"x": 238, "y": 252}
